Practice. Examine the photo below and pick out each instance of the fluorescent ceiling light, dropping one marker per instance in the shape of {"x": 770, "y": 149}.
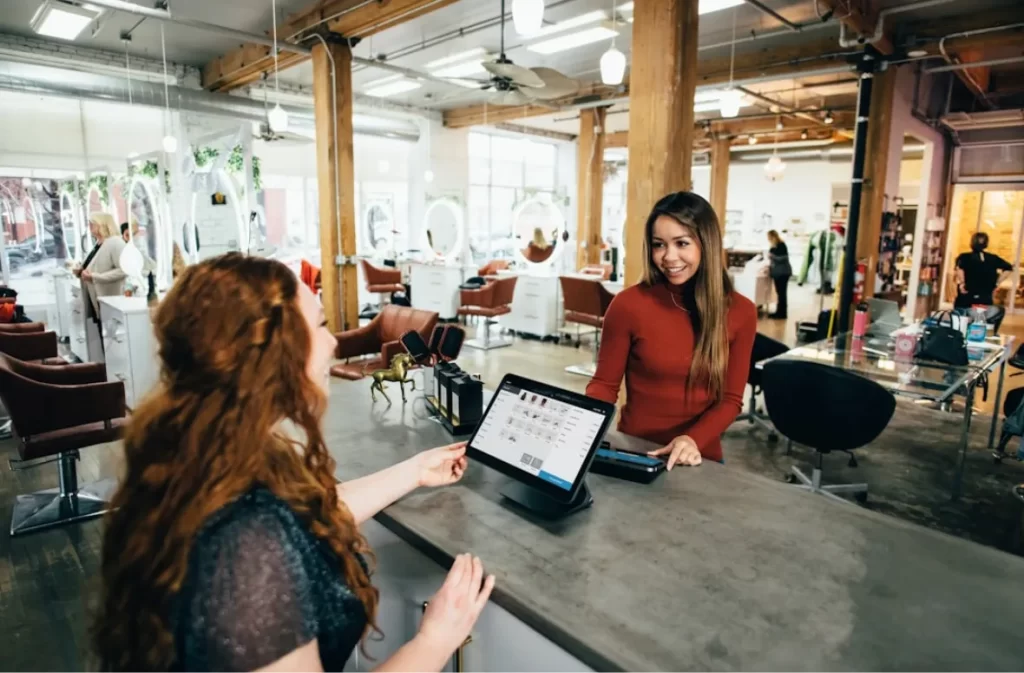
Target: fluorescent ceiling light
{"x": 391, "y": 86}
{"x": 64, "y": 22}
{"x": 572, "y": 40}
{"x": 460, "y": 57}
{"x": 705, "y": 7}
{"x": 464, "y": 69}
{"x": 568, "y": 24}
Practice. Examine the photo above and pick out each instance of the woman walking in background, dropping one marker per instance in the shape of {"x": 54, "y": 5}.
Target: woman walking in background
{"x": 781, "y": 271}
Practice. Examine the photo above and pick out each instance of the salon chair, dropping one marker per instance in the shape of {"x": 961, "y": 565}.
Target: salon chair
{"x": 764, "y": 349}
{"x": 601, "y": 271}
{"x": 585, "y": 302}
{"x": 492, "y": 268}
{"x": 380, "y": 281}
{"x": 56, "y": 412}
{"x": 490, "y": 301}
{"x": 380, "y": 337}
{"x": 827, "y": 409}
{"x": 30, "y": 342}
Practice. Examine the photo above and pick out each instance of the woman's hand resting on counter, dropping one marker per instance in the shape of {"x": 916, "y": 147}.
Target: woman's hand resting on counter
{"x": 442, "y": 466}
{"x": 680, "y": 451}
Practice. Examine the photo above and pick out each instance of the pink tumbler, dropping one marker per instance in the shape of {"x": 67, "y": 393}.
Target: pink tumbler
{"x": 860, "y": 321}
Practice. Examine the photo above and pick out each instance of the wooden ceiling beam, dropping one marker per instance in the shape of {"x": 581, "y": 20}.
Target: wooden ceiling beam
{"x": 349, "y": 18}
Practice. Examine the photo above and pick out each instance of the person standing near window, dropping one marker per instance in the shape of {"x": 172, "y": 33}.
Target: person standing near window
{"x": 681, "y": 337}
{"x": 780, "y": 270}
{"x": 978, "y": 274}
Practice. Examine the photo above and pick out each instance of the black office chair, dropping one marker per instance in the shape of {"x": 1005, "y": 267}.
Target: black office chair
{"x": 764, "y": 348}
{"x": 827, "y": 409}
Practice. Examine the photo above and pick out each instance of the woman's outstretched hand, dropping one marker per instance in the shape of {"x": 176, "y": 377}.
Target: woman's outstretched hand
{"x": 442, "y": 466}
{"x": 680, "y": 451}
{"x": 454, "y": 609}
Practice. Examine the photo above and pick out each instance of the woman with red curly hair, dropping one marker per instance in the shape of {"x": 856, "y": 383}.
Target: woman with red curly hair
{"x": 231, "y": 546}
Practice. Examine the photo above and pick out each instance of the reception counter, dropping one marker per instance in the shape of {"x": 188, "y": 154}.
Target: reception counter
{"x": 707, "y": 568}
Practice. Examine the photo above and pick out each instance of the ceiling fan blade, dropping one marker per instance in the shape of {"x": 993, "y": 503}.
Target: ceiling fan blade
{"x": 518, "y": 74}
{"x": 556, "y": 85}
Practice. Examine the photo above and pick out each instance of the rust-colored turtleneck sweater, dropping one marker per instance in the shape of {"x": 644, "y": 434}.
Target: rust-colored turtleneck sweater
{"x": 648, "y": 338}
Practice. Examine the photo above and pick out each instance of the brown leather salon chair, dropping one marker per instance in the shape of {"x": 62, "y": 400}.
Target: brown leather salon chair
{"x": 29, "y": 342}
{"x": 381, "y": 337}
{"x": 56, "y": 412}
{"x": 585, "y": 302}
{"x": 382, "y": 281}
{"x": 492, "y": 300}
{"x": 492, "y": 268}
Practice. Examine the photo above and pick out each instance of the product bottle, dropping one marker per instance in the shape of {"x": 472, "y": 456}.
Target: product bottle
{"x": 978, "y": 326}
{"x": 860, "y": 321}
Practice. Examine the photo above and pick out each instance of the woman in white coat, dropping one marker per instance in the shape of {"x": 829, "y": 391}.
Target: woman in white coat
{"x": 101, "y": 274}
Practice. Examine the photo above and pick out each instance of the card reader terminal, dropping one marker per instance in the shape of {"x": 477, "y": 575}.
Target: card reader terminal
{"x": 624, "y": 465}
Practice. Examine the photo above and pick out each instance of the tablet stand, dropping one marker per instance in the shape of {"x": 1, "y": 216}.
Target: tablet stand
{"x": 543, "y": 504}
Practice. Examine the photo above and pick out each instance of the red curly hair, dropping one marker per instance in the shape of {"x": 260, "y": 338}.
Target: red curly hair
{"x": 233, "y": 345}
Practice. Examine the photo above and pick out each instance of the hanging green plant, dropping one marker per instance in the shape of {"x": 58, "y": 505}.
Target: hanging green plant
{"x": 236, "y": 164}
{"x": 205, "y": 155}
{"x": 102, "y": 185}
{"x": 149, "y": 170}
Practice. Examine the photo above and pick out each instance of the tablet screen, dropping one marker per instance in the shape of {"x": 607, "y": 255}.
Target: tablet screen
{"x": 545, "y": 436}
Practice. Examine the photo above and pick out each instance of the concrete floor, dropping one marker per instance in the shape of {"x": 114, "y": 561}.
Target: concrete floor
{"x": 48, "y": 581}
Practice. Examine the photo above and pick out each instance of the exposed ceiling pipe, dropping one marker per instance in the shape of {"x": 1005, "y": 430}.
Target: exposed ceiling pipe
{"x": 841, "y": 152}
{"x": 974, "y": 64}
{"x": 45, "y": 80}
{"x": 765, "y": 9}
{"x": 880, "y": 23}
{"x": 971, "y": 121}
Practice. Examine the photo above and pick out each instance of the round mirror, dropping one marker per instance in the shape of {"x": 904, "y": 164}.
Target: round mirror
{"x": 145, "y": 212}
{"x": 377, "y": 227}
{"x": 538, "y": 226}
{"x": 70, "y": 225}
{"x": 443, "y": 228}
{"x": 220, "y": 234}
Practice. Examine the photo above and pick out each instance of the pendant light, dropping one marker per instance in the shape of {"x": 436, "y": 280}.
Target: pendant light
{"x": 613, "y": 61}
{"x": 731, "y": 100}
{"x": 276, "y": 118}
{"x": 527, "y": 16}
{"x": 170, "y": 142}
{"x": 776, "y": 167}
{"x": 428, "y": 175}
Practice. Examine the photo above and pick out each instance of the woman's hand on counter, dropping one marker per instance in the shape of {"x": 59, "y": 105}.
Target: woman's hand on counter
{"x": 680, "y": 451}
{"x": 442, "y": 466}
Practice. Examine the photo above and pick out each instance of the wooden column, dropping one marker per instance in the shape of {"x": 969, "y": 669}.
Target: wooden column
{"x": 337, "y": 199}
{"x": 720, "y": 176}
{"x": 662, "y": 82}
{"x": 873, "y": 199}
{"x": 589, "y": 186}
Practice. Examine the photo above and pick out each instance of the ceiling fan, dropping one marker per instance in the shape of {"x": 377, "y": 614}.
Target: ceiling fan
{"x": 262, "y": 131}
{"x": 512, "y": 84}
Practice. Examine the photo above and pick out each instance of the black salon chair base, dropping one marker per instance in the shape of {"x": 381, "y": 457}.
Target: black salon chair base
{"x": 765, "y": 348}
{"x": 813, "y": 484}
{"x": 67, "y": 503}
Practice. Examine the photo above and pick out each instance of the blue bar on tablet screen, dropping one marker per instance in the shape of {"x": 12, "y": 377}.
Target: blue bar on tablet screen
{"x": 561, "y": 483}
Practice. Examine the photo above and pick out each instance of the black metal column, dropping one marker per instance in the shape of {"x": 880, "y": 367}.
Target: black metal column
{"x": 867, "y": 67}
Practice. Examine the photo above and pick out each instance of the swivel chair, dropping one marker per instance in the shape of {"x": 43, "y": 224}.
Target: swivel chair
{"x": 764, "y": 348}
{"x": 827, "y": 409}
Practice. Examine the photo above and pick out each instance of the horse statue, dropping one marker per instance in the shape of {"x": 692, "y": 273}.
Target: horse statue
{"x": 400, "y": 366}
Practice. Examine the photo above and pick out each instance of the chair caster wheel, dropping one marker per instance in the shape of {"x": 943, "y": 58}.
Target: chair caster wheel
{"x": 861, "y": 497}
{"x": 772, "y": 438}
{"x": 790, "y": 479}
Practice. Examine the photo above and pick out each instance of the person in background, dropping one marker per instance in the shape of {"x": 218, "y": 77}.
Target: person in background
{"x": 978, "y": 273}
{"x": 681, "y": 337}
{"x": 101, "y": 274}
{"x": 780, "y": 270}
{"x": 538, "y": 249}
{"x": 230, "y": 546}
{"x": 131, "y": 239}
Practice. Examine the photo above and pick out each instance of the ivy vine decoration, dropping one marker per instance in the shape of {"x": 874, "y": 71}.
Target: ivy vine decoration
{"x": 204, "y": 155}
{"x": 236, "y": 164}
{"x": 102, "y": 185}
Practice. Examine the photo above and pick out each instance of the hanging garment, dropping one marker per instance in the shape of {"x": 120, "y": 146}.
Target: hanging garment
{"x": 824, "y": 243}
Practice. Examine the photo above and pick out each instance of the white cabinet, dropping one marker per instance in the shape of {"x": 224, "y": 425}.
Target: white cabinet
{"x": 129, "y": 345}
{"x": 83, "y": 334}
{"x": 536, "y": 306}
{"x": 436, "y": 288}
{"x": 406, "y": 578}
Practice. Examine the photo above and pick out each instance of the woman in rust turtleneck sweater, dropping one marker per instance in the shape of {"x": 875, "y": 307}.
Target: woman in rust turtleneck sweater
{"x": 682, "y": 337}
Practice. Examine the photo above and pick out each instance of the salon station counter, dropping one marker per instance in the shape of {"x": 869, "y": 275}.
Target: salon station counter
{"x": 708, "y": 568}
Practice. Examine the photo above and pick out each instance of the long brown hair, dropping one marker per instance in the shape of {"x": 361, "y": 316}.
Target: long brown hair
{"x": 711, "y": 285}
{"x": 233, "y": 349}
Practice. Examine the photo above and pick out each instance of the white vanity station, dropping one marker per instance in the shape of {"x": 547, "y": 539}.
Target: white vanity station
{"x": 537, "y": 302}
{"x": 435, "y": 283}
{"x": 130, "y": 346}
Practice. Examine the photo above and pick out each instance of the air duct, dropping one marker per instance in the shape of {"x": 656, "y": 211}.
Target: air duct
{"x": 50, "y": 81}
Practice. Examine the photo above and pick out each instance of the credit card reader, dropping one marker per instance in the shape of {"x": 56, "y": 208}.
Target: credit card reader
{"x": 624, "y": 465}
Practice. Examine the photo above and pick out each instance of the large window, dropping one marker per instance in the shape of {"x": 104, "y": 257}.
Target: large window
{"x": 503, "y": 172}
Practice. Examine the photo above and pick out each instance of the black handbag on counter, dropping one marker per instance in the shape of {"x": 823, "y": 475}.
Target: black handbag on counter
{"x": 942, "y": 344}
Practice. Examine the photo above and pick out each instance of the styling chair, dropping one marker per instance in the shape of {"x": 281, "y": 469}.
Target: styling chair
{"x": 585, "y": 302}
{"x": 601, "y": 271}
{"x": 764, "y": 349}
{"x": 30, "y": 342}
{"x": 382, "y": 282}
{"x": 56, "y": 412}
{"x": 827, "y": 409}
{"x": 380, "y": 337}
{"x": 490, "y": 301}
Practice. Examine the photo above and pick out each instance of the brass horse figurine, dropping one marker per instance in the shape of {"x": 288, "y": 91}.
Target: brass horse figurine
{"x": 400, "y": 365}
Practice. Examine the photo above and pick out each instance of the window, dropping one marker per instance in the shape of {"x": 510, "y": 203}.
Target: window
{"x": 503, "y": 171}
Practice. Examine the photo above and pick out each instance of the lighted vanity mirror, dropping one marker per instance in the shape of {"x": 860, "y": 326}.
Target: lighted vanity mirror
{"x": 144, "y": 209}
{"x": 71, "y": 226}
{"x": 216, "y": 228}
{"x": 377, "y": 227}
{"x": 443, "y": 227}
{"x": 538, "y": 226}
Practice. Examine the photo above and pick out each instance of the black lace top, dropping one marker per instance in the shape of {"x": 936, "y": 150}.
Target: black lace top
{"x": 260, "y": 585}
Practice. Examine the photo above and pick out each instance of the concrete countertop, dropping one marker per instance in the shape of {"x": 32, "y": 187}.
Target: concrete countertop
{"x": 707, "y": 568}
